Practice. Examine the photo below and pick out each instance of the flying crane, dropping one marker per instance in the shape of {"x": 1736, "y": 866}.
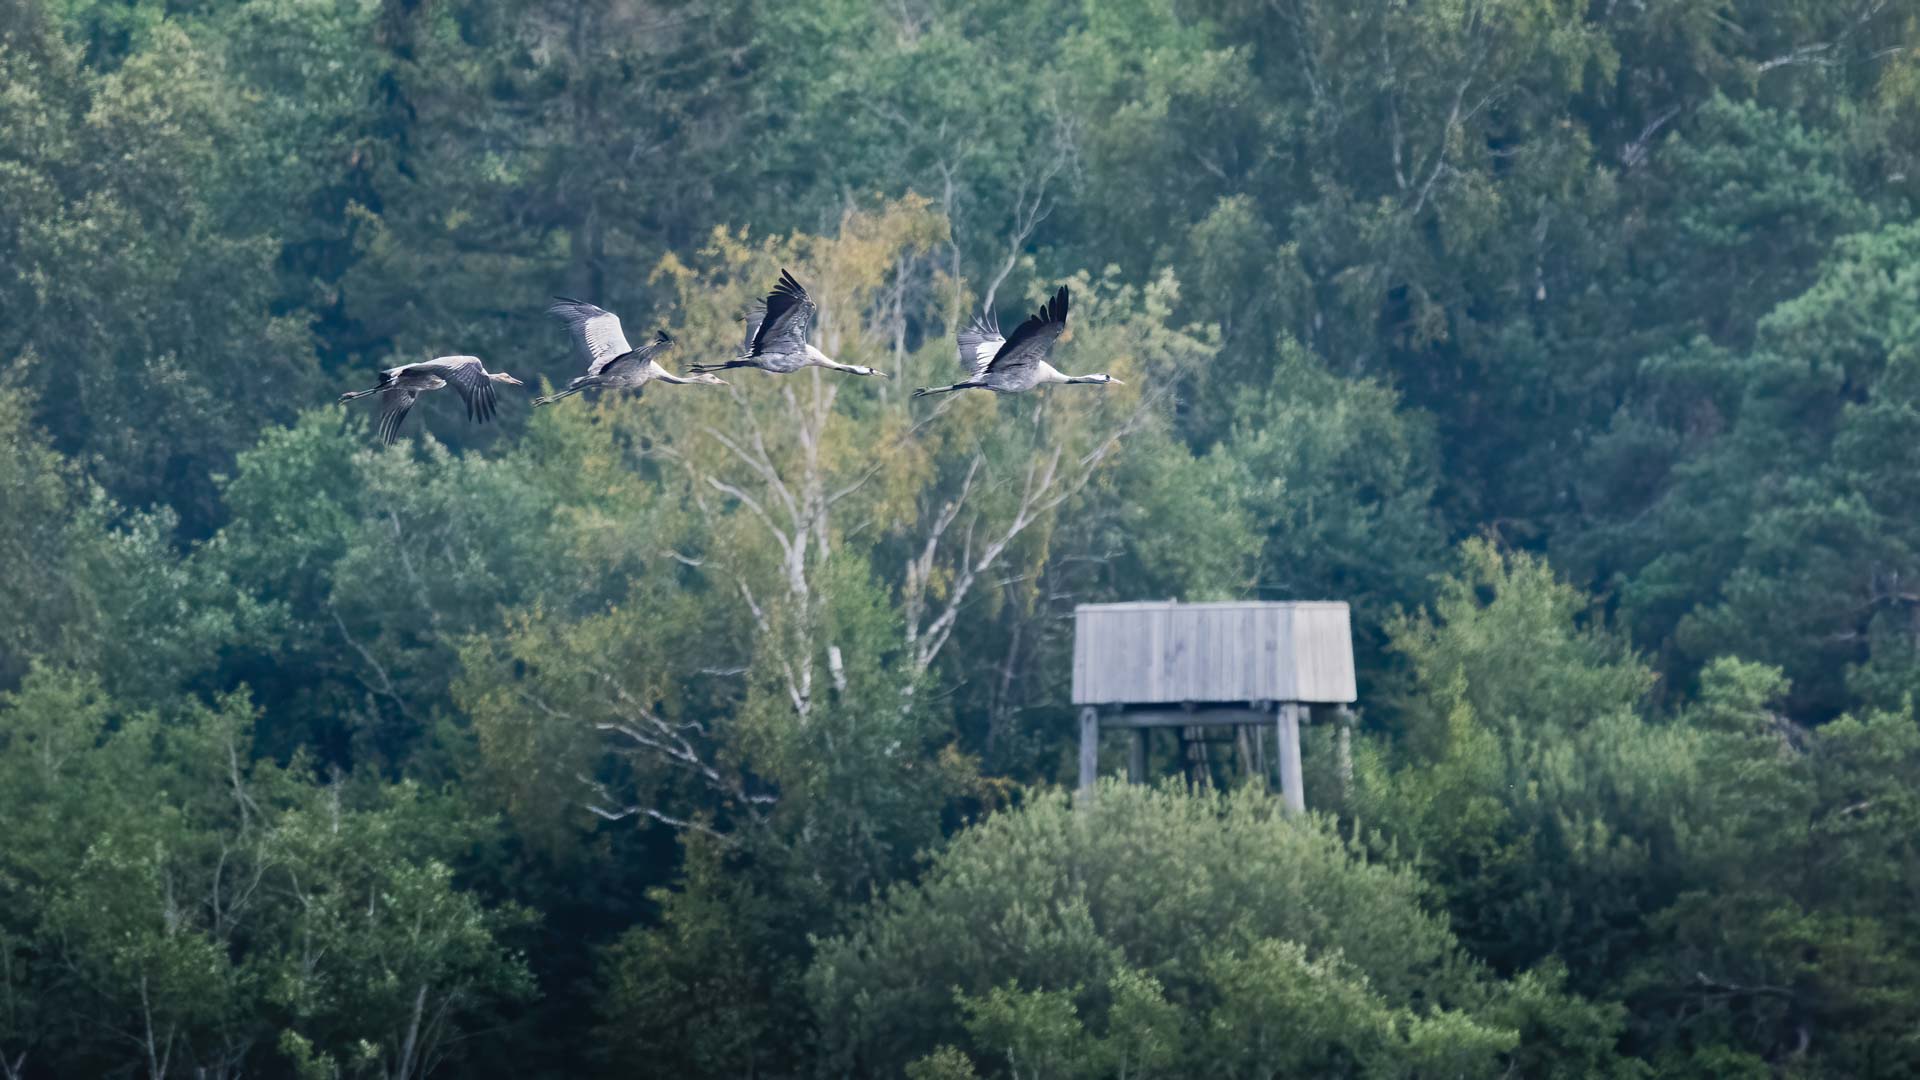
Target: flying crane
{"x": 612, "y": 363}
{"x": 1016, "y": 364}
{"x": 401, "y": 386}
{"x": 776, "y": 338}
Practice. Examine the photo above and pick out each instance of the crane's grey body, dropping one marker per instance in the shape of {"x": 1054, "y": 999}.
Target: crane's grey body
{"x": 1016, "y": 364}
{"x": 612, "y": 363}
{"x": 401, "y": 386}
{"x": 776, "y": 338}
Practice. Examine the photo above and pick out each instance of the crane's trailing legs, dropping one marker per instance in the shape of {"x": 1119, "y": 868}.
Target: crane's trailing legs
{"x": 925, "y": 390}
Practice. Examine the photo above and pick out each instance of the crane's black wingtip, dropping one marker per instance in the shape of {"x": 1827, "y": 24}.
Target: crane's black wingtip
{"x": 661, "y": 337}
{"x": 790, "y": 285}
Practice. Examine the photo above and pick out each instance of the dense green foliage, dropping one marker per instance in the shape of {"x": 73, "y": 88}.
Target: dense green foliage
{"x": 720, "y": 732}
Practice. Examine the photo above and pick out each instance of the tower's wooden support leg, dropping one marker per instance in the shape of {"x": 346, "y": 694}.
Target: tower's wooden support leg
{"x": 1258, "y": 728}
{"x": 1346, "y": 753}
{"x": 1194, "y": 759}
{"x": 1089, "y": 748}
{"x": 1289, "y": 739}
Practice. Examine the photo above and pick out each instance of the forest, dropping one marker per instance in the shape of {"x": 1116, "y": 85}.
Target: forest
{"x": 725, "y": 731}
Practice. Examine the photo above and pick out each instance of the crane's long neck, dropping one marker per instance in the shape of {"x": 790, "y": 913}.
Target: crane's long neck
{"x": 816, "y": 358}
{"x": 1051, "y": 374}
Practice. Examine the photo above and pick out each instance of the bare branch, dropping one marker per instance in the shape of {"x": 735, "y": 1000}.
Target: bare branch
{"x": 748, "y": 501}
{"x": 1635, "y": 152}
{"x": 1044, "y": 489}
{"x": 761, "y": 467}
{"x": 1804, "y": 54}
{"x": 386, "y": 688}
{"x": 1446, "y": 137}
{"x": 920, "y": 569}
{"x": 837, "y": 666}
{"x": 603, "y": 808}
{"x": 1821, "y": 53}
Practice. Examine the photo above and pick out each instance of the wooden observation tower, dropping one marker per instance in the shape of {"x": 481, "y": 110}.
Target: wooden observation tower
{"x": 1255, "y": 664}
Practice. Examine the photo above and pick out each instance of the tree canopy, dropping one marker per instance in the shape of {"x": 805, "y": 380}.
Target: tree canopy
{"x": 722, "y": 731}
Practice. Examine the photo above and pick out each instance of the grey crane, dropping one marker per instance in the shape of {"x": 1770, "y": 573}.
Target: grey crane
{"x": 1015, "y": 364}
{"x": 776, "y": 338}
{"x": 612, "y": 363}
{"x": 401, "y": 386}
